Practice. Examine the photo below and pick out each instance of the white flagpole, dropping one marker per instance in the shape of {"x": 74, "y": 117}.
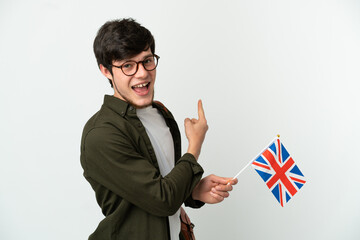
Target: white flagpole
{"x": 255, "y": 157}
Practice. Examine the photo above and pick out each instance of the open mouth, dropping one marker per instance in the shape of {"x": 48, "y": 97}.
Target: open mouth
{"x": 141, "y": 88}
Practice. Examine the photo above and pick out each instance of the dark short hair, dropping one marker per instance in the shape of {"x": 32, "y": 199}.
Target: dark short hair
{"x": 121, "y": 39}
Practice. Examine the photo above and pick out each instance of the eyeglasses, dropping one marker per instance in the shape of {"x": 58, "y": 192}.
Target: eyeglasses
{"x": 130, "y": 68}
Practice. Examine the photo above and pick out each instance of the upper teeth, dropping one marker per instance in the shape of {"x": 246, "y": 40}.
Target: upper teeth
{"x": 141, "y": 85}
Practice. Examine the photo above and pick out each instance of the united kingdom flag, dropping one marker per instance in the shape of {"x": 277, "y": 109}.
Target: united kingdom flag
{"x": 279, "y": 171}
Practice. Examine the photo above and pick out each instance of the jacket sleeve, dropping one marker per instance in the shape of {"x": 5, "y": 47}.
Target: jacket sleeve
{"x": 112, "y": 160}
{"x": 190, "y": 202}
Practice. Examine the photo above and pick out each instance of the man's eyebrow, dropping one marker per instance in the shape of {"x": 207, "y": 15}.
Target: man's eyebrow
{"x": 149, "y": 55}
{"x": 129, "y": 59}
{"x": 146, "y": 56}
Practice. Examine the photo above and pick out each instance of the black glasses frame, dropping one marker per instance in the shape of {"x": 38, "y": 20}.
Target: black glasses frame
{"x": 137, "y": 65}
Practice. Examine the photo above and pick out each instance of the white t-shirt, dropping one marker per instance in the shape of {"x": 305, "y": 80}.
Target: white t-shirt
{"x": 162, "y": 142}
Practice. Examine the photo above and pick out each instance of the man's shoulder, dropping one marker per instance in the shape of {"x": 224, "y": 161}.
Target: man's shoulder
{"x": 99, "y": 118}
{"x": 104, "y": 118}
{"x": 104, "y": 126}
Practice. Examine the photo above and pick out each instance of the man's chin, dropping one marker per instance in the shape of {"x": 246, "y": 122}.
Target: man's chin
{"x": 139, "y": 103}
{"x": 142, "y": 103}
{"x": 138, "y": 106}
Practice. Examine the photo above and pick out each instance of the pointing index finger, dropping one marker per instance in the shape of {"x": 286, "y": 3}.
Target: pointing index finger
{"x": 201, "y": 110}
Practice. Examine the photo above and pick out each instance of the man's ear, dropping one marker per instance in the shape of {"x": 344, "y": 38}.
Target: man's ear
{"x": 106, "y": 72}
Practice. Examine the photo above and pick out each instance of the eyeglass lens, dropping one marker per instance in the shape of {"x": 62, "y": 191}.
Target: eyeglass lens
{"x": 131, "y": 67}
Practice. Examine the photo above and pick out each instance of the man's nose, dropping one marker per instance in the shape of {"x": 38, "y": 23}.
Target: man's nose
{"x": 141, "y": 72}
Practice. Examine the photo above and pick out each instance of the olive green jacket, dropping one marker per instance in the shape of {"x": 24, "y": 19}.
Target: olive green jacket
{"x": 120, "y": 164}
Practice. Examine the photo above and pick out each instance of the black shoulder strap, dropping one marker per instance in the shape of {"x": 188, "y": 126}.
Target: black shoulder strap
{"x": 162, "y": 105}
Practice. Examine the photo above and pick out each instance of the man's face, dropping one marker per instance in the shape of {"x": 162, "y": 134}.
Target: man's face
{"x": 138, "y": 90}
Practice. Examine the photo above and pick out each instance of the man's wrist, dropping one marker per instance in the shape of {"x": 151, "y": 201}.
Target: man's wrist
{"x": 194, "y": 193}
{"x": 194, "y": 151}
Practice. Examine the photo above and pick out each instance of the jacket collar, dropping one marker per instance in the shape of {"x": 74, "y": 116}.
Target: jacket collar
{"x": 123, "y": 108}
{"x": 116, "y": 104}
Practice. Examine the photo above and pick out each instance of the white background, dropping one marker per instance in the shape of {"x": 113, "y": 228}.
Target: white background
{"x": 261, "y": 68}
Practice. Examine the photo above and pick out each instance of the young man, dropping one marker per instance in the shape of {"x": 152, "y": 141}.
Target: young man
{"x": 131, "y": 148}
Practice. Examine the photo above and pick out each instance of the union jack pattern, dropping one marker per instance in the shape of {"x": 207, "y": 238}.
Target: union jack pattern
{"x": 279, "y": 171}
